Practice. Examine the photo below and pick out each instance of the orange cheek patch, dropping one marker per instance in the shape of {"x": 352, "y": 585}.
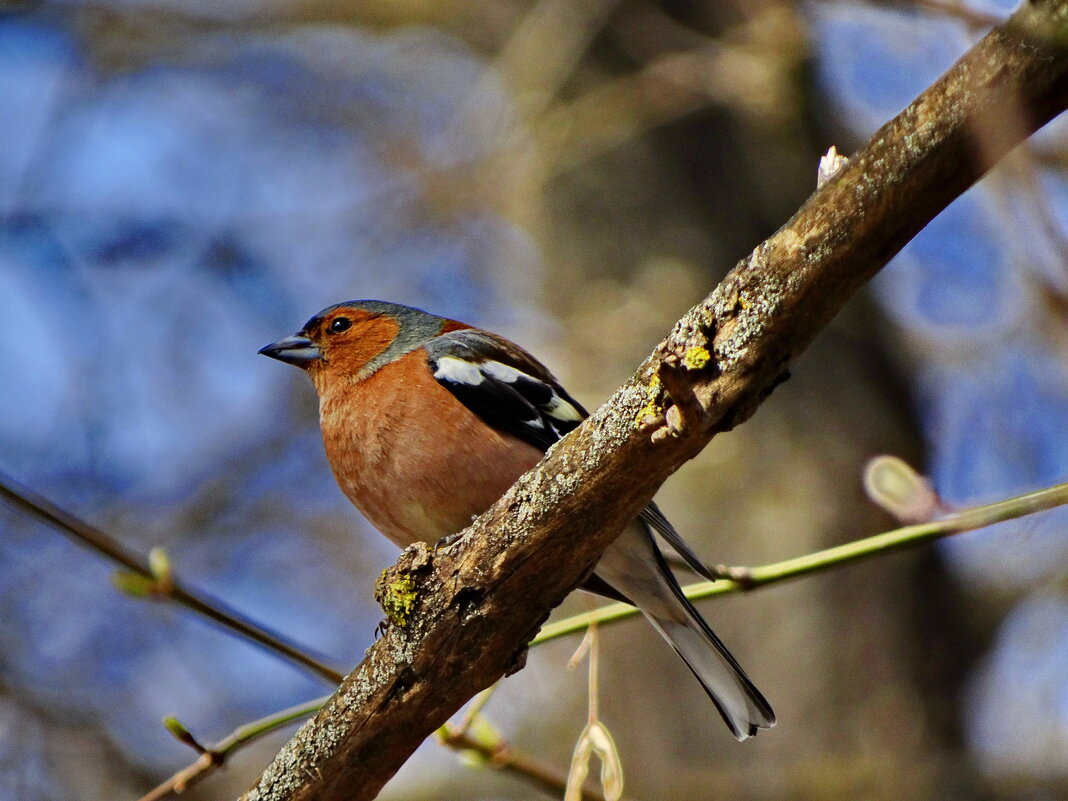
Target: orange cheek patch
{"x": 368, "y": 337}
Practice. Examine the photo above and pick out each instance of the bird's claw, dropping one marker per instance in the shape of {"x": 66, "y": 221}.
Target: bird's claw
{"x": 448, "y": 539}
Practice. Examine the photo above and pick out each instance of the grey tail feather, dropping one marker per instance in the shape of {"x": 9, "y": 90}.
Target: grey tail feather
{"x": 743, "y": 707}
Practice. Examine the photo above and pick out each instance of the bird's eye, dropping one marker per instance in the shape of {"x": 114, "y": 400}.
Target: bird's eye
{"x": 339, "y": 324}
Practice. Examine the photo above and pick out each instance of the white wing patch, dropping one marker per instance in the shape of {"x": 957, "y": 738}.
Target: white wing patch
{"x": 455, "y": 368}
{"x": 503, "y": 372}
{"x": 529, "y": 405}
{"x": 460, "y": 371}
{"x": 452, "y": 368}
{"x": 560, "y": 409}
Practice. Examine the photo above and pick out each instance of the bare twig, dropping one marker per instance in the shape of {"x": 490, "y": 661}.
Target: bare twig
{"x": 685, "y": 413}
{"x": 954, "y": 10}
{"x": 500, "y": 756}
{"x": 214, "y": 756}
{"x": 497, "y": 754}
{"x": 33, "y": 505}
{"x": 503, "y": 757}
{"x": 595, "y": 739}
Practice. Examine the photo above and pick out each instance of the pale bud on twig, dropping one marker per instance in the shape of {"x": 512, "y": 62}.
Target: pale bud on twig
{"x": 830, "y": 164}
{"x": 894, "y": 486}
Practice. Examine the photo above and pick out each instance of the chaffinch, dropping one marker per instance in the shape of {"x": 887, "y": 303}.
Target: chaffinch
{"x": 428, "y": 421}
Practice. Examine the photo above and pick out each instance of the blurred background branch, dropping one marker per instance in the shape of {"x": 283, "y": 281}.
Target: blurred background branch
{"x": 157, "y": 586}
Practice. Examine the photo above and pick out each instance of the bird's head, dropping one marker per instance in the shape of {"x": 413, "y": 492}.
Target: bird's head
{"x": 353, "y": 339}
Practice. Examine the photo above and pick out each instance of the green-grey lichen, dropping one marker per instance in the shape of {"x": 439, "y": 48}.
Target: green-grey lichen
{"x": 652, "y": 410}
{"x": 396, "y": 597}
{"x": 696, "y": 358}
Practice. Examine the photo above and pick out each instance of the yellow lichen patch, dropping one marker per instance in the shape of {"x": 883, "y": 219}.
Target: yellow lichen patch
{"x": 696, "y": 357}
{"x": 396, "y": 597}
{"x": 651, "y": 410}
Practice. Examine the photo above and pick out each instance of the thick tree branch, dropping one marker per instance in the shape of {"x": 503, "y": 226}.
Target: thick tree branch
{"x": 475, "y": 605}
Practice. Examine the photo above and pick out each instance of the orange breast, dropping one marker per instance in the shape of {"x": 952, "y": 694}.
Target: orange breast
{"x": 411, "y": 457}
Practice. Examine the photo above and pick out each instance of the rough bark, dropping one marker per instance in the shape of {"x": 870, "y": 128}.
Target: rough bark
{"x": 476, "y": 604}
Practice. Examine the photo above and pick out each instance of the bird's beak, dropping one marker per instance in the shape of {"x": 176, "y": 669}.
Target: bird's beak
{"x": 295, "y": 350}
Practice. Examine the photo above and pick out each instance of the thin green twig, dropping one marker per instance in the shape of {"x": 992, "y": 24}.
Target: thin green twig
{"x": 496, "y": 753}
{"x": 738, "y": 579}
{"x": 214, "y": 756}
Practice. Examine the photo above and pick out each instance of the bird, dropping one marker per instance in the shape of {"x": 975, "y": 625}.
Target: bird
{"x": 427, "y": 421}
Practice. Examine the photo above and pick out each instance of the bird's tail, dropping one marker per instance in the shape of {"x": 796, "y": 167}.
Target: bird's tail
{"x": 634, "y": 566}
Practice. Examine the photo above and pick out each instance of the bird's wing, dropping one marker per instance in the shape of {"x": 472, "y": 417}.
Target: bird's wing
{"x": 512, "y": 391}
{"x": 504, "y": 385}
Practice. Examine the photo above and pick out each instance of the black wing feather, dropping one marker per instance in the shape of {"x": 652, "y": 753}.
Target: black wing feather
{"x": 500, "y": 406}
{"x": 652, "y": 516}
{"x": 511, "y": 391}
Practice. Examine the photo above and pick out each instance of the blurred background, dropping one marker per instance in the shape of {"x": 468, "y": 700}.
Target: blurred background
{"x": 184, "y": 182}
